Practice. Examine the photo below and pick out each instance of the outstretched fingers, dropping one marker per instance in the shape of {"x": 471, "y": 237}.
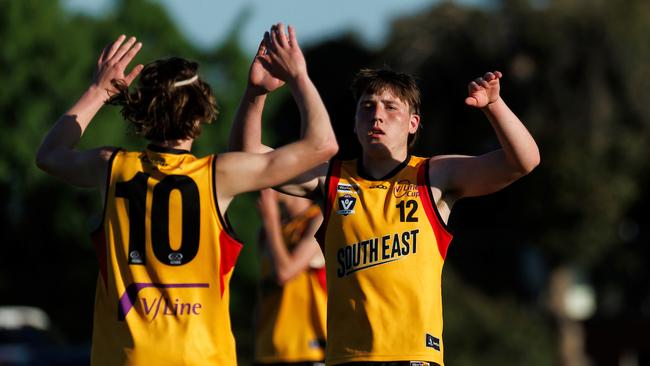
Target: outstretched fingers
{"x": 119, "y": 54}
{"x": 293, "y": 42}
{"x": 129, "y": 55}
{"x": 114, "y": 47}
{"x": 280, "y": 36}
{"x": 269, "y": 45}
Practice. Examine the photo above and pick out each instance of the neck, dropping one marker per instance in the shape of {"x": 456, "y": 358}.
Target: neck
{"x": 378, "y": 166}
{"x": 175, "y": 144}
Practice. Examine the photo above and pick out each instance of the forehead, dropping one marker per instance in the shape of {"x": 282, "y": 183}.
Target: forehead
{"x": 385, "y": 95}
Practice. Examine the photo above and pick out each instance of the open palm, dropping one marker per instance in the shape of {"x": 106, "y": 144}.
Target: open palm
{"x": 112, "y": 64}
{"x": 259, "y": 77}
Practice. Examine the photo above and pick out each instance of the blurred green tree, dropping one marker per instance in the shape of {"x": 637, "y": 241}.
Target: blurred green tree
{"x": 48, "y": 58}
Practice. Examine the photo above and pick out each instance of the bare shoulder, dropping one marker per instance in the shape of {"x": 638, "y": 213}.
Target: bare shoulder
{"x": 443, "y": 192}
{"x": 441, "y": 167}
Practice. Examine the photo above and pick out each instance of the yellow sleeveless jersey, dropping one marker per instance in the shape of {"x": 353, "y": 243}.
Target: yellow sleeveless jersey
{"x": 291, "y": 319}
{"x": 385, "y": 246}
{"x": 166, "y": 260}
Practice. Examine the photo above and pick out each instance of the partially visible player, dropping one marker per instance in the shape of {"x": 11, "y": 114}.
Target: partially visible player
{"x": 292, "y": 305}
{"x": 165, "y": 250}
{"x": 384, "y": 234}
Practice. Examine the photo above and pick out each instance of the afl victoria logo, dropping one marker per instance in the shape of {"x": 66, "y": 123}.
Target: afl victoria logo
{"x": 346, "y": 205}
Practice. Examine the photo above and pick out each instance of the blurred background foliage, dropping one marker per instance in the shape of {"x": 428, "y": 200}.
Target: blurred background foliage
{"x": 575, "y": 71}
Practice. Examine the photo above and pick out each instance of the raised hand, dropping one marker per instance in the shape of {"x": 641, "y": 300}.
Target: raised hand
{"x": 484, "y": 90}
{"x": 259, "y": 78}
{"x": 283, "y": 58}
{"x": 112, "y": 64}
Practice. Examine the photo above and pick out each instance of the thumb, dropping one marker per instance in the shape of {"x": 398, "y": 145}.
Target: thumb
{"x": 261, "y": 50}
{"x": 471, "y": 101}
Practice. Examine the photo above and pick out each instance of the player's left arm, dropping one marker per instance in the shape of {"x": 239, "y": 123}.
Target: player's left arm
{"x": 57, "y": 155}
{"x": 467, "y": 176}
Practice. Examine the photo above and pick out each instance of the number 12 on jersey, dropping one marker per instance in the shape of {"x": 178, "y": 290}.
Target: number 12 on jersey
{"x": 411, "y": 206}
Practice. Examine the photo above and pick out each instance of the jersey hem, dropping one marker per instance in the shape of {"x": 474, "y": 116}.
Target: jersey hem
{"x": 288, "y": 359}
{"x": 381, "y": 358}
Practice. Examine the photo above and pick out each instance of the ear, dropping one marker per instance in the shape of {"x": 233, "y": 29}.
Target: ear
{"x": 414, "y": 123}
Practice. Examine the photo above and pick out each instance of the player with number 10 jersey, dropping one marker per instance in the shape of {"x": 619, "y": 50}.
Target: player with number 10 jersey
{"x": 164, "y": 253}
{"x": 162, "y": 242}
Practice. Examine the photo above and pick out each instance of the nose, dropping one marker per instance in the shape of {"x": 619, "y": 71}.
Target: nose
{"x": 377, "y": 114}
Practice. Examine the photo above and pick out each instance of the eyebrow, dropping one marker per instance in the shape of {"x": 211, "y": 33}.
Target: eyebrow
{"x": 396, "y": 100}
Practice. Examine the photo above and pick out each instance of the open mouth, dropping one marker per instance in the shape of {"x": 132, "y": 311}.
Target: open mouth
{"x": 375, "y": 131}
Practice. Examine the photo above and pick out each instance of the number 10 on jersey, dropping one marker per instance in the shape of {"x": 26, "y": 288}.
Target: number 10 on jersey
{"x": 135, "y": 191}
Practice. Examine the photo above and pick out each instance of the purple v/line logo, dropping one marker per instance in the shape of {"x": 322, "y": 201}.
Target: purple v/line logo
{"x": 130, "y": 296}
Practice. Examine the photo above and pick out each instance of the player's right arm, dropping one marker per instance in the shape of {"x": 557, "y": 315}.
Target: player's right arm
{"x": 244, "y": 172}
{"x": 246, "y": 133}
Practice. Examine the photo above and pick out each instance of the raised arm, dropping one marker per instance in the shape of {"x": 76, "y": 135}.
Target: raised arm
{"x": 57, "y": 155}
{"x": 246, "y": 132}
{"x": 463, "y": 176}
{"x": 244, "y": 172}
{"x": 286, "y": 264}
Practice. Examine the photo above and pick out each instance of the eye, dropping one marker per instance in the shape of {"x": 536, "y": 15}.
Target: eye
{"x": 391, "y": 107}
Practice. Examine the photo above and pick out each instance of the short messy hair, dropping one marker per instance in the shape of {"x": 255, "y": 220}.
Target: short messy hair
{"x": 159, "y": 109}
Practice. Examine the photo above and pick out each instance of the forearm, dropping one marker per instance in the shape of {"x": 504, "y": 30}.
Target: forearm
{"x": 315, "y": 123}
{"x": 68, "y": 129}
{"x": 280, "y": 256}
{"x": 246, "y": 133}
{"x": 519, "y": 147}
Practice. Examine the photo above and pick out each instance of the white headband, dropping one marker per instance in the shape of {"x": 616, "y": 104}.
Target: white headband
{"x": 186, "y": 81}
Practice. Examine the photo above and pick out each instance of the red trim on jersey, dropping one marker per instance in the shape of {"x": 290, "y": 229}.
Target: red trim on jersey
{"x": 230, "y": 249}
{"x": 321, "y": 275}
{"x": 332, "y": 181}
{"x": 443, "y": 236}
{"x": 98, "y": 238}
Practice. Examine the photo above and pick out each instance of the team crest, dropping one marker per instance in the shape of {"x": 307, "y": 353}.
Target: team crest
{"x": 346, "y": 205}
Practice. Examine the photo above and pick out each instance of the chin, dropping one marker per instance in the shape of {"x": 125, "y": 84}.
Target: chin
{"x": 375, "y": 148}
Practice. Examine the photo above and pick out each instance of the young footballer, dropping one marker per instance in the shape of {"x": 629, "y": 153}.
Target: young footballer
{"x": 165, "y": 250}
{"x": 384, "y": 234}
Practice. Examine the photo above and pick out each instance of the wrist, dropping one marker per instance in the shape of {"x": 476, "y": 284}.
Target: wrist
{"x": 494, "y": 104}
{"x": 96, "y": 93}
{"x": 253, "y": 93}
{"x": 299, "y": 80}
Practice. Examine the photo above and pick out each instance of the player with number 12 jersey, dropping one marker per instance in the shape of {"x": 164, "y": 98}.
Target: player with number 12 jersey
{"x": 384, "y": 238}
